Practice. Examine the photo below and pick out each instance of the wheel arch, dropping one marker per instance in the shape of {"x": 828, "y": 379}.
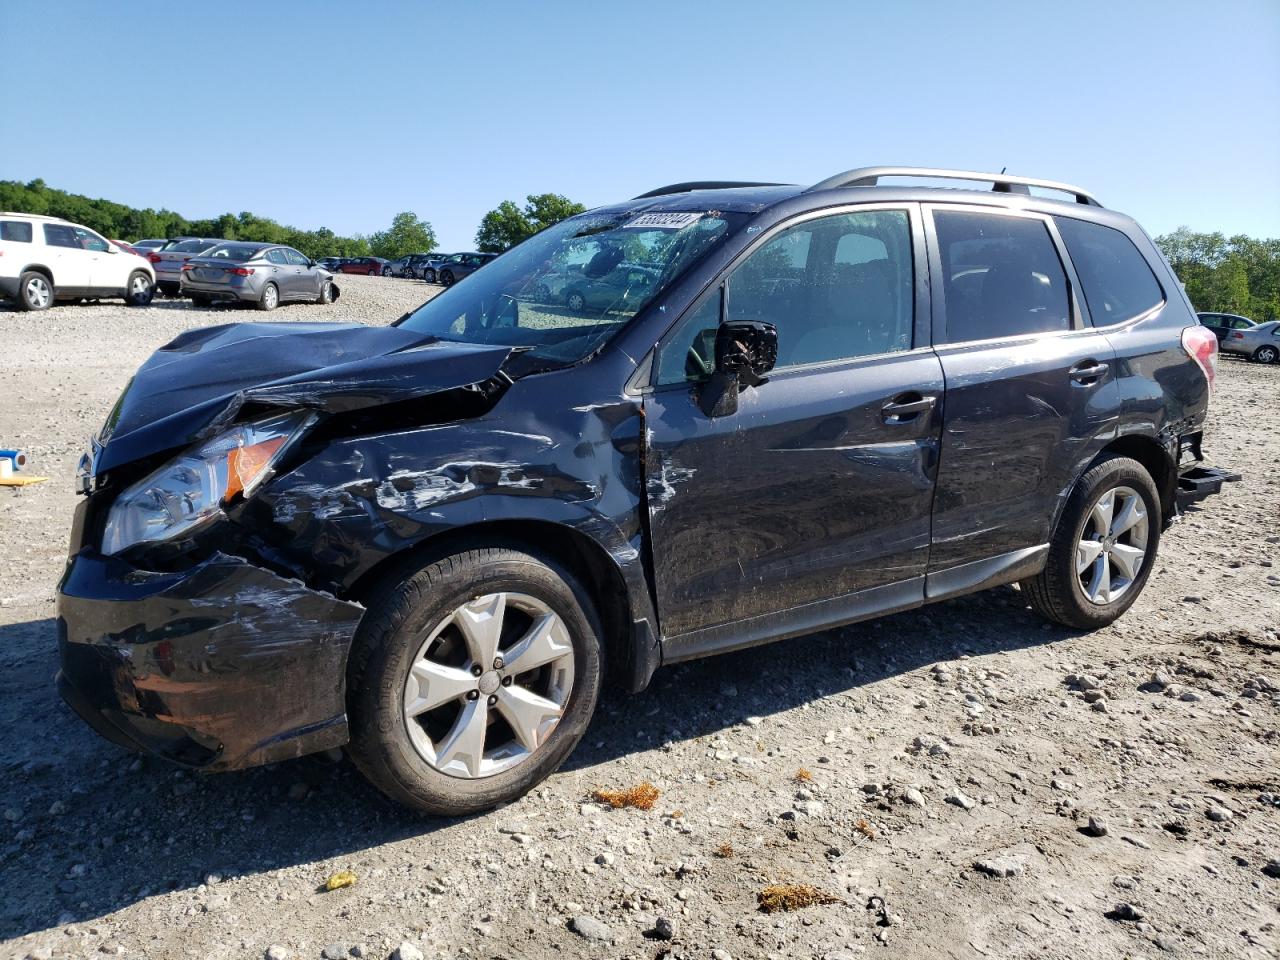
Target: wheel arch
{"x": 1157, "y": 460}
{"x": 588, "y": 560}
{"x": 40, "y": 268}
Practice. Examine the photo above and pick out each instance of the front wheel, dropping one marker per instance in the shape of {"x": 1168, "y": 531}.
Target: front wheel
{"x": 1103, "y": 548}
{"x": 328, "y": 293}
{"x": 140, "y": 290}
{"x": 1266, "y": 354}
{"x": 429, "y": 276}
{"x": 472, "y": 680}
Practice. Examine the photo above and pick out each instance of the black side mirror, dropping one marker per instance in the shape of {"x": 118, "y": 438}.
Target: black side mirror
{"x": 745, "y": 351}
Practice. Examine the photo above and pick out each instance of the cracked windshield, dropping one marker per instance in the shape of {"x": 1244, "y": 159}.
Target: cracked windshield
{"x": 564, "y": 292}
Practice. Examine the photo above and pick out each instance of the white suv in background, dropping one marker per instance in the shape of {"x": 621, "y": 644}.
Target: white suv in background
{"x": 45, "y": 259}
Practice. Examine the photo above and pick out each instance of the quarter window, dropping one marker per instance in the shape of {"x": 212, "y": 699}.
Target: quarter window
{"x": 1117, "y": 280}
{"x": 15, "y": 231}
{"x": 277, "y": 256}
{"x": 1001, "y": 276}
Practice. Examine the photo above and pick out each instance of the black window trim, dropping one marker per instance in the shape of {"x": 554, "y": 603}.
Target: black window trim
{"x": 1138, "y": 318}
{"x": 1079, "y": 318}
{"x": 921, "y": 267}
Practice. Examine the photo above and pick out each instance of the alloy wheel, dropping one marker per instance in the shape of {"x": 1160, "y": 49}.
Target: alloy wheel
{"x": 38, "y": 293}
{"x": 139, "y": 286}
{"x": 488, "y": 685}
{"x": 1113, "y": 545}
{"x": 1267, "y": 355}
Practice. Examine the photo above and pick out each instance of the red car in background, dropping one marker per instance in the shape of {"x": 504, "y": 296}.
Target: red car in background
{"x": 129, "y": 249}
{"x": 370, "y": 266}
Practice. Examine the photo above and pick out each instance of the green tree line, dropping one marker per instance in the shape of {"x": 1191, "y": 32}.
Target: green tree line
{"x": 1226, "y": 274}
{"x": 407, "y": 234}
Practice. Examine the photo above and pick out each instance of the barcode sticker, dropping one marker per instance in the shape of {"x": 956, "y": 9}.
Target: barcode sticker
{"x": 662, "y": 221}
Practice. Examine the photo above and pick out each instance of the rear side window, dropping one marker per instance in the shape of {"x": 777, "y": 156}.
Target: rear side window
{"x": 1001, "y": 276}
{"x": 277, "y": 256}
{"x": 15, "y": 231}
{"x": 60, "y": 235}
{"x": 1118, "y": 282}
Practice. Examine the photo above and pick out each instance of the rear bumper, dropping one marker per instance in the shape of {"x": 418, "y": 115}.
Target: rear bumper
{"x": 222, "y": 666}
{"x": 1197, "y": 482}
{"x": 220, "y": 291}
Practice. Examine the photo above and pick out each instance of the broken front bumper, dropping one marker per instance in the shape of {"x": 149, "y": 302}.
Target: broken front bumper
{"x": 222, "y": 666}
{"x": 1196, "y": 483}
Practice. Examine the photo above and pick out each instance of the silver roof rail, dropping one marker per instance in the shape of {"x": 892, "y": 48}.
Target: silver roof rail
{"x": 1000, "y": 182}
{"x": 690, "y": 185}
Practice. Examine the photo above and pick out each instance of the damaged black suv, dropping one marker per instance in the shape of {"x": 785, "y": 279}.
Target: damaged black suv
{"x": 713, "y": 416}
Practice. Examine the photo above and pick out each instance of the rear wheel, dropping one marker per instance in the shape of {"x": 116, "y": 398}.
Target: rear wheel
{"x": 429, "y": 276}
{"x": 386, "y": 271}
{"x": 446, "y": 278}
{"x": 575, "y": 301}
{"x": 270, "y": 297}
{"x": 35, "y": 291}
{"x": 1103, "y": 549}
{"x": 140, "y": 289}
{"x": 1266, "y": 354}
{"x": 472, "y": 680}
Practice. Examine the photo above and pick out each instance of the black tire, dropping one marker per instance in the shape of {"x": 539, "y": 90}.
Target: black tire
{"x": 140, "y": 291}
{"x": 200, "y": 300}
{"x": 1267, "y": 354}
{"x": 1056, "y": 593}
{"x": 429, "y": 276}
{"x": 36, "y": 291}
{"x": 327, "y": 294}
{"x": 446, "y": 278}
{"x": 386, "y": 271}
{"x": 399, "y": 616}
{"x": 575, "y": 301}
{"x": 270, "y": 297}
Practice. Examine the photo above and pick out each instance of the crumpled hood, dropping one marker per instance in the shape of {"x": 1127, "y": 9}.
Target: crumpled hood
{"x": 197, "y": 383}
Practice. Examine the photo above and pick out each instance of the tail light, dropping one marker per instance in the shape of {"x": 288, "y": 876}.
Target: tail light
{"x": 154, "y": 257}
{"x": 1202, "y": 347}
{"x": 240, "y": 271}
{"x": 188, "y": 266}
{"x": 1237, "y": 335}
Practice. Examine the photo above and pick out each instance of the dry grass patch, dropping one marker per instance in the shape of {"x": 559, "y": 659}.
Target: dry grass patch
{"x": 803, "y": 775}
{"x": 864, "y": 828}
{"x": 642, "y": 796}
{"x": 724, "y": 851}
{"x": 792, "y": 896}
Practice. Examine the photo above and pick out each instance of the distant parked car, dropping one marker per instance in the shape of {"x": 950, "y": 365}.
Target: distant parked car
{"x": 459, "y": 265}
{"x": 1261, "y": 341}
{"x": 370, "y": 266}
{"x": 429, "y": 267}
{"x": 168, "y": 261}
{"x": 330, "y": 263}
{"x": 46, "y": 259}
{"x": 417, "y": 263}
{"x": 130, "y": 248}
{"x": 1223, "y": 323}
{"x": 146, "y": 246}
{"x": 600, "y": 284}
{"x": 265, "y": 274}
{"x": 406, "y": 265}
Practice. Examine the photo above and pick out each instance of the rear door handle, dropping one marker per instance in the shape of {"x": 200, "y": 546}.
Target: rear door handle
{"x": 1088, "y": 371}
{"x": 900, "y": 410}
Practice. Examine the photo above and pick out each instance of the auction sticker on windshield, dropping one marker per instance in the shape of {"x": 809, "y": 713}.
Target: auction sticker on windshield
{"x": 662, "y": 221}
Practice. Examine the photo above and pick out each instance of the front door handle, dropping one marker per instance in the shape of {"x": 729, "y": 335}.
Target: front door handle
{"x": 906, "y": 407}
{"x": 1088, "y": 371}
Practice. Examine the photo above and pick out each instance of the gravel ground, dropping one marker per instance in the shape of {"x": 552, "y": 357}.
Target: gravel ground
{"x": 959, "y": 781}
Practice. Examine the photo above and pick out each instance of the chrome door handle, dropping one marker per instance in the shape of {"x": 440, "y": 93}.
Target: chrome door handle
{"x": 899, "y": 411}
{"x": 1088, "y": 371}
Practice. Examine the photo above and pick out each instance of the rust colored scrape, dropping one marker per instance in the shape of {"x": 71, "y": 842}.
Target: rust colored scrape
{"x": 792, "y": 896}
{"x": 642, "y": 796}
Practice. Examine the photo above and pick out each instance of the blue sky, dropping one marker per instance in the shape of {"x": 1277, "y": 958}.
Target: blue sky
{"x": 342, "y": 114}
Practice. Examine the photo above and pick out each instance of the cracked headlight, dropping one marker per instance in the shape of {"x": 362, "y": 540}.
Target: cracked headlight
{"x": 190, "y": 490}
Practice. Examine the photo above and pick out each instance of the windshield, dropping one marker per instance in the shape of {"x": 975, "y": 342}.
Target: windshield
{"x": 563, "y": 292}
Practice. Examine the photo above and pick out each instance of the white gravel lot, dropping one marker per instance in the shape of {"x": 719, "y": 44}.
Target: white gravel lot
{"x": 966, "y": 733}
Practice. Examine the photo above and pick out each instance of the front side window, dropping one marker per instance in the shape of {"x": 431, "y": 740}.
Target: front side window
{"x": 1001, "y": 276}
{"x": 835, "y": 288}
{"x": 565, "y": 291}
{"x": 88, "y": 240}
{"x": 1117, "y": 280}
{"x": 15, "y": 231}
{"x": 295, "y": 258}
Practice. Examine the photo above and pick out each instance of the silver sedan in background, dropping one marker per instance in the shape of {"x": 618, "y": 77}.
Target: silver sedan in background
{"x": 1261, "y": 343}
{"x": 264, "y": 274}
